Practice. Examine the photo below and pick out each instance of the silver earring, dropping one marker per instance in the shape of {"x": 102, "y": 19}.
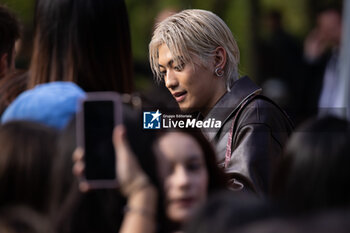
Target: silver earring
{"x": 219, "y": 72}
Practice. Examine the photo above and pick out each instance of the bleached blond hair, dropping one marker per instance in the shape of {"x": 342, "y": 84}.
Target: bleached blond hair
{"x": 195, "y": 33}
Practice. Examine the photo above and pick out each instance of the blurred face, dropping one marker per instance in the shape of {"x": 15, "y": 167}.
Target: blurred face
{"x": 192, "y": 86}
{"x": 183, "y": 173}
{"x": 329, "y": 23}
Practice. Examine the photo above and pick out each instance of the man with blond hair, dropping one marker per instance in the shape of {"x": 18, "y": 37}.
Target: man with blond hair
{"x": 195, "y": 54}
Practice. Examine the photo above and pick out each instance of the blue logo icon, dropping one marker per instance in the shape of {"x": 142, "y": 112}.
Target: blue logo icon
{"x": 151, "y": 120}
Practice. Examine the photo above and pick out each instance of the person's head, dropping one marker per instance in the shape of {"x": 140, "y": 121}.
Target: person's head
{"x": 53, "y": 104}
{"x": 9, "y": 34}
{"x": 196, "y": 55}
{"x": 188, "y": 172}
{"x": 329, "y": 24}
{"x": 314, "y": 172}
{"x": 83, "y": 41}
{"x": 26, "y": 153}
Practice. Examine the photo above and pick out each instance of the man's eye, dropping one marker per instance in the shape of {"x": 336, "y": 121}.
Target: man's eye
{"x": 179, "y": 67}
{"x": 162, "y": 74}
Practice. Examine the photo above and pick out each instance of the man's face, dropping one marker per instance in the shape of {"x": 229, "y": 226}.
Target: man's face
{"x": 192, "y": 86}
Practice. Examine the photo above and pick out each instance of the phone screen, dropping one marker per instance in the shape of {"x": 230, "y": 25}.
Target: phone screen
{"x": 98, "y": 131}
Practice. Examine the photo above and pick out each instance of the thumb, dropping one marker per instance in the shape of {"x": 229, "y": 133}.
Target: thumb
{"x": 119, "y": 136}
{"x": 120, "y": 142}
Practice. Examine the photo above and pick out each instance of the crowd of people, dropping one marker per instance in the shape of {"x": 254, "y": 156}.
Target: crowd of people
{"x": 256, "y": 172}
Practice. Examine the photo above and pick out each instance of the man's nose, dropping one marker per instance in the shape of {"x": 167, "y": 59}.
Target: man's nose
{"x": 171, "y": 80}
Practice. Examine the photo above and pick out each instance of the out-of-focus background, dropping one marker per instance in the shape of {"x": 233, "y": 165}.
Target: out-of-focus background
{"x": 252, "y": 22}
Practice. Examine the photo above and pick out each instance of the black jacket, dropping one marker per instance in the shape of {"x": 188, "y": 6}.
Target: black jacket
{"x": 259, "y": 132}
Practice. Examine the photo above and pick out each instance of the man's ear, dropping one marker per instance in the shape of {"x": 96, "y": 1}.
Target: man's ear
{"x": 3, "y": 64}
{"x": 220, "y": 57}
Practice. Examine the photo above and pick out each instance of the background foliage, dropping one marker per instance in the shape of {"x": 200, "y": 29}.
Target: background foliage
{"x": 244, "y": 17}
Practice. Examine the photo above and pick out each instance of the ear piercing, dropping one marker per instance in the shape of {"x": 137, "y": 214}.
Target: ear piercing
{"x": 219, "y": 72}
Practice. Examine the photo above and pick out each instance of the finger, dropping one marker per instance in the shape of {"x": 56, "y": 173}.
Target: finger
{"x": 84, "y": 186}
{"x": 120, "y": 141}
{"x": 119, "y": 135}
{"x": 78, "y": 168}
{"x": 78, "y": 154}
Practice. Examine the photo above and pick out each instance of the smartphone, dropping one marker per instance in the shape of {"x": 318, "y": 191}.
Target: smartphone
{"x": 97, "y": 116}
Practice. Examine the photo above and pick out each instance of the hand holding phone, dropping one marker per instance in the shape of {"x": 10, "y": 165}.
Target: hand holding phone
{"x": 131, "y": 178}
{"x": 99, "y": 113}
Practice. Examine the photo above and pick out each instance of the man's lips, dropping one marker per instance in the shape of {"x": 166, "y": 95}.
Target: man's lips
{"x": 180, "y": 96}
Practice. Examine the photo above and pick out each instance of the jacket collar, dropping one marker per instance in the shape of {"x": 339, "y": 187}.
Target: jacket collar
{"x": 242, "y": 89}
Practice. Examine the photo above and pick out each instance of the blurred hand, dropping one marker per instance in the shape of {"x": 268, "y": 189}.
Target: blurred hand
{"x": 130, "y": 175}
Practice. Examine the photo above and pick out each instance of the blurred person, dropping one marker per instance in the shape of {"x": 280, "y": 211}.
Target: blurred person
{"x": 326, "y": 34}
{"x": 72, "y": 211}
{"x": 26, "y": 154}
{"x": 82, "y": 41}
{"x": 11, "y": 86}
{"x": 280, "y": 58}
{"x": 186, "y": 173}
{"x": 9, "y": 34}
{"x": 196, "y": 56}
{"x": 321, "y": 55}
{"x": 313, "y": 175}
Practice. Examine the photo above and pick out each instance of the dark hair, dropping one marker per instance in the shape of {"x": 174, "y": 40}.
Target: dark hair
{"x": 21, "y": 219}
{"x": 11, "y": 86}
{"x": 328, "y": 221}
{"x": 26, "y": 154}
{"x": 217, "y": 180}
{"x": 9, "y": 32}
{"x": 314, "y": 172}
{"x": 227, "y": 211}
{"x": 83, "y": 41}
{"x": 72, "y": 211}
